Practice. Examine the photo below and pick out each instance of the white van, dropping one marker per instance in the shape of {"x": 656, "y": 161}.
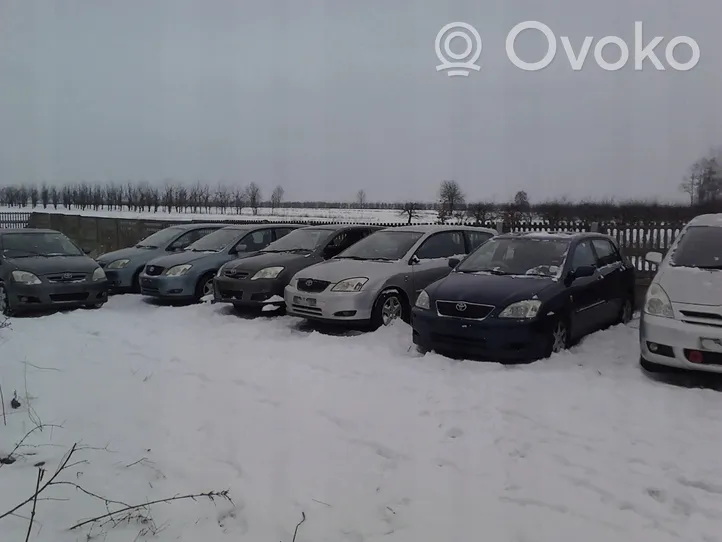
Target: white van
{"x": 681, "y": 325}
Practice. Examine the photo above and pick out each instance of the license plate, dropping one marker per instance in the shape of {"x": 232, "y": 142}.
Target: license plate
{"x": 305, "y": 301}
{"x": 712, "y": 345}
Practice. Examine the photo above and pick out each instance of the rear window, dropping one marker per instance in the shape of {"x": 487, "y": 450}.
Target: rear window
{"x": 699, "y": 246}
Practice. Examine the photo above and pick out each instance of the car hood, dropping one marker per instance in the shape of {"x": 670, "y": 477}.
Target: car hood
{"x": 183, "y": 258}
{"x": 55, "y": 264}
{"x": 258, "y": 261}
{"x": 130, "y": 253}
{"x": 488, "y": 289}
{"x": 692, "y": 285}
{"x": 335, "y": 270}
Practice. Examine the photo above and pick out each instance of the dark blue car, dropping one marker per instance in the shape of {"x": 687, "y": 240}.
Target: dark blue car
{"x": 520, "y": 297}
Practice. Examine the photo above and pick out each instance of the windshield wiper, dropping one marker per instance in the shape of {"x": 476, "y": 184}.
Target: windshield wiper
{"x": 146, "y": 246}
{"x": 484, "y": 270}
{"x": 708, "y": 266}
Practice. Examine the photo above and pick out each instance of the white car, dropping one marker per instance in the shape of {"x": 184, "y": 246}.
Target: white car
{"x": 681, "y": 325}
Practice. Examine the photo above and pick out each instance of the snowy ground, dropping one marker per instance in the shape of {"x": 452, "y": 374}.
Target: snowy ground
{"x": 367, "y": 439}
{"x": 372, "y": 216}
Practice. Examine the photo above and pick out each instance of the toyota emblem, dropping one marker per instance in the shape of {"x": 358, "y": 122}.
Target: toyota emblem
{"x": 461, "y": 307}
{"x": 309, "y": 282}
{"x": 151, "y": 269}
{"x": 67, "y": 276}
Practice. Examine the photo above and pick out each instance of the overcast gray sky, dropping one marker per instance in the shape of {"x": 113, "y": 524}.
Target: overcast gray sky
{"x": 329, "y": 96}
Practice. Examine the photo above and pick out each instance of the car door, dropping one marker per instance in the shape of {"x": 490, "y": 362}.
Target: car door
{"x": 430, "y": 262}
{"x": 611, "y": 270}
{"x": 585, "y": 292}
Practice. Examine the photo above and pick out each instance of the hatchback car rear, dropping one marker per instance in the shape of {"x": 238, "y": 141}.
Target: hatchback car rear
{"x": 681, "y": 324}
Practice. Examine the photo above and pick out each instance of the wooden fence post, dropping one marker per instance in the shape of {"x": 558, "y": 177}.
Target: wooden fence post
{"x": 499, "y": 226}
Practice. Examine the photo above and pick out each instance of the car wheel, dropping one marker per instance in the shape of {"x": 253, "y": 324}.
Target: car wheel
{"x": 135, "y": 285}
{"x": 204, "y": 286}
{"x": 388, "y": 308}
{"x": 558, "y": 339}
{"x": 5, "y": 309}
{"x": 626, "y": 312}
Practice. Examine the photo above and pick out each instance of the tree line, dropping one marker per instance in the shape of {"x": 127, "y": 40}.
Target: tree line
{"x": 451, "y": 202}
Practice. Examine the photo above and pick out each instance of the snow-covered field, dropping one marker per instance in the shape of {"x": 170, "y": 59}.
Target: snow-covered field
{"x": 366, "y": 438}
{"x": 380, "y": 216}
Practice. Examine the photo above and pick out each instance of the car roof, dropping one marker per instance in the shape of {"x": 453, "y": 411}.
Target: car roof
{"x": 434, "y": 228}
{"x": 258, "y": 226}
{"x": 341, "y": 227}
{"x": 559, "y": 235}
{"x": 26, "y": 230}
{"x": 714, "y": 219}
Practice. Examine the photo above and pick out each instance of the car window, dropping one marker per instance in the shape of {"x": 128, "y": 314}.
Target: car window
{"x": 442, "y": 245}
{"x": 22, "y": 245}
{"x": 699, "y": 246}
{"x": 606, "y": 253}
{"x": 386, "y": 245}
{"x": 190, "y": 237}
{"x": 518, "y": 256}
{"x": 255, "y": 241}
{"x": 476, "y": 238}
{"x": 583, "y": 256}
{"x": 281, "y": 232}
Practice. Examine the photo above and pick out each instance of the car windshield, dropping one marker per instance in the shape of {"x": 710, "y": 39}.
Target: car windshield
{"x": 382, "y": 245}
{"x": 302, "y": 240}
{"x": 160, "y": 238}
{"x": 25, "y": 245}
{"x": 700, "y": 246}
{"x": 216, "y": 241}
{"x": 517, "y": 256}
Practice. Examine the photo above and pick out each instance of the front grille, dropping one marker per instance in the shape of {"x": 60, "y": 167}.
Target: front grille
{"x": 708, "y": 315}
{"x": 230, "y": 294}
{"x": 67, "y": 277}
{"x": 702, "y": 318}
{"x": 312, "y": 285}
{"x": 302, "y": 309}
{"x": 79, "y": 296}
{"x": 457, "y": 340}
{"x": 154, "y": 270}
{"x": 461, "y": 309}
{"x": 234, "y": 274}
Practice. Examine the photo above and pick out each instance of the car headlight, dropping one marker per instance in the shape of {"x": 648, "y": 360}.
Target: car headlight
{"x": 178, "y": 270}
{"x": 117, "y": 264}
{"x": 98, "y": 274}
{"x": 24, "y": 277}
{"x": 657, "y": 303}
{"x": 423, "y": 300}
{"x": 350, "y": 285}
{"x": 267, "y": 273}
{"x": 528, "y": 308}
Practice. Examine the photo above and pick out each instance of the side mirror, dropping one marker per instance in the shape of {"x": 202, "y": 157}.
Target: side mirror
{"x": 654, "y": 257}
{"x": 238, "y": 249}
{"x": 583, "y": 271}
{"x": 453, "y": 262}
{"x": 414, "y": 260}
{"x": 87, "y": 251}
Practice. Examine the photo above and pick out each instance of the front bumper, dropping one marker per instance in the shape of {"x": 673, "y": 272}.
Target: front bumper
{"x": 329, "y": 306}
{"x": 671, "y": 340}
{"x": 120, "y": 280}
{"x": 56, "y": 295}
{"x": 162, "y": 287}
{"x": 246, "y": 292}
{"x": 491, "y": 339}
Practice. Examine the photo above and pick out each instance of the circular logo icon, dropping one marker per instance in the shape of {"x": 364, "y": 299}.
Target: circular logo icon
{"x": 309, "y": 282}
{"x": 67, "y": 276}
{"x": 458, "y": 63}
{"x": 461, "y": 307}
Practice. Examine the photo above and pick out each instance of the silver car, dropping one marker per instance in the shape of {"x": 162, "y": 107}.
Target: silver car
{"x": 378, "y": 279}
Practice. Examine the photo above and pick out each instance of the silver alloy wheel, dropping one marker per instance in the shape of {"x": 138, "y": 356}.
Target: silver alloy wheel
{"x": 559, "y": 337}
{"x": 627, "y": 312}
{"x": 208, "y": 287}
{"x": 391, "y": 310}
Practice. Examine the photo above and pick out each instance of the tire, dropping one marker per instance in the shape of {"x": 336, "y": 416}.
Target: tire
{"x": 5, "y": 309}
{"x": 558, "y": 338}
{"x": 205, "y": 282}
{"x": 135, "y": 286}
{"x": 389, "y": 306}
{"x": 626, "y": 311}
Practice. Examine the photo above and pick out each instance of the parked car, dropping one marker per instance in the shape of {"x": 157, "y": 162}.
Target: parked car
{"x": 43, "y": 269}
{"x": 260, "y": 280}
{"x": 681, "y": 323}
{"x": 123, "y": 266}
{"x": 188, "y": 275}
{"x": 377, "y": 280}
{"x": 523, "y": 296}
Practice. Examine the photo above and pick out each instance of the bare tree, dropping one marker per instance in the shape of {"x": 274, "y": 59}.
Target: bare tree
{"x": 55, "y": 196}
{"x": 361, "y": 199}
{"x": 44, "y": 195}
{"x": 276, "y": 198}
{"x": 481, "y": 212}
{"x": 239, "y": 200}
{"x": 167, "y": 199}
{"x": 410, "y": 210}
{"x": 253, "y": 194}
{"x": 451, "y": 197}
{"x": 223, "y": 198}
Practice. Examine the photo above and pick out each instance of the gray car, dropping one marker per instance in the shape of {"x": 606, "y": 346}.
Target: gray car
{"x": 123, "y": 266}
{"x": 43, "y": 269}
{"x": 378, "y": 279}
{"x": 188, "y": 275}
